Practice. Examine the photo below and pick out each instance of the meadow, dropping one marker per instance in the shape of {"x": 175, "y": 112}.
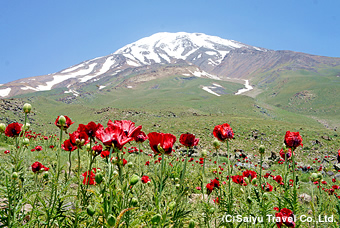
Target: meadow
{"x": 243, "y": 171}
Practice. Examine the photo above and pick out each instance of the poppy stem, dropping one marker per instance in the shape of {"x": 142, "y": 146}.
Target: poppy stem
{"x": 69, "y": 169}
{"x": 79, "y": 183}
{"x": 185, "y": 166}
{"x": 162, "y": 165}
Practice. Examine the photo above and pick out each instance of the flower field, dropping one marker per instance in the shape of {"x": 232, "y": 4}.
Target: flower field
{"x": 114, "y": 174}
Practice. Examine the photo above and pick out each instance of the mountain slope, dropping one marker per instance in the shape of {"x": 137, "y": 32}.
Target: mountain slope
{"x": 196, "y": 53}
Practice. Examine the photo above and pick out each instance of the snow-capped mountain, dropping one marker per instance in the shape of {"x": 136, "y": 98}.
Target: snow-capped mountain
{"x": 188, "y": 54}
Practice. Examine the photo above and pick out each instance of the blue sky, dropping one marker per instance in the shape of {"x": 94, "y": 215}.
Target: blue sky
{"x": 41, "y": 37}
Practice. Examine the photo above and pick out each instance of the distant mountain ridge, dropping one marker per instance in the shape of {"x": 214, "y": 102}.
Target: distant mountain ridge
{"x": 164, "y": 54}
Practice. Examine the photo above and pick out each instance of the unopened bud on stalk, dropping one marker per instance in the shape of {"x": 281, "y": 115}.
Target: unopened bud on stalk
{"x": 314, "y": 177}
{"x": 191, "y": 224}
{"x": 62, "y": 120}
{"x": 115, "y": 173}
{"x": 241, "y": 190}
{"x": 134, "y": 179}
{"x": 27, "y": 108}
{"x": 249, "y": 200}
{"x": 98, "y": 178}
{"x": 265, "y": 196}
{"x": 254, "y": 181}
{"x": 90, "y": 210}
{"x": 27, "y": 126}
{"x": 134, "y": 201}
{"x": 216, "y": 144}
{"x": 2, "y": 127}
{"x": 204, "y": 153}
{"x": 156, "y": 218}
{"x": 130, "y": 164}
{"x": 15, "y": 175}
{"x": 25, "y": 141}
{"x": 45, "y": 176}
{"x": 262, "y": 149}
{"x": 88, "y": 147}
{"x": 111, "y": 220}
{"x": 172, "y": 205}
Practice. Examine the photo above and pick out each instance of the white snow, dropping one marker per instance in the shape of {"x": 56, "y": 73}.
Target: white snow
{"x": 203, "y": 73}
{"x": 130, "y": 87}
{"x": 210, "y": 53}
{"x": 101, "y": 87}
{"x": 132, "y": 63}
{"x": 29, "y": 87}
{"x": 177, "y": 45}
{"x": 60, "y": 78}
{"x": 72, "y": 68}
{"x": 208, "y": 89}
{"x": 32, "y": 79}
{"x": 1, "y": 84}
{"x": 217, "y": 85}
{"x": 248, "y": 88}
{"x": 5, "y": 92}
{"x": 105, "y": 67}
{"x": 186, "y": 74}
{"x": 75, "y": 93}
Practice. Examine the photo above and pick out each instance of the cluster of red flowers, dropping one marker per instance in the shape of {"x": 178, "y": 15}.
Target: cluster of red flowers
{"x": 212, "y": 185}
{"x": 13, "y": 130}
{"x": 38, "y": 167}
{"x": 91, "y": 180}
{"x": 284, "y": 217}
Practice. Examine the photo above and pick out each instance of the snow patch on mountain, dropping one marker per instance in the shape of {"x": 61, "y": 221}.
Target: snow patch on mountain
{"x": 208, "y": 89}
{"x": 105, "y": 68}
{"x": 5, "y": 92}
{"x": 247, "y": 88}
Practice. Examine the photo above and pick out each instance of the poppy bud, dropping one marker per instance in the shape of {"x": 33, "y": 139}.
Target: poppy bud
{"x": 249, "y": 200}
{"x": 156, "y": 218}
{"x": 111, "y": 220}
{"x": 134, "y": 201}
{"x": 314, "y": 177}
{"x": 90, "y": 210}
{"x": 14, "y": 175}
{"x": 45, "y": 176}
{"x": 27, "y": 108}
{"x": 2, "y": 127}
{"x": 265, "y": 196}
{"x": 98, "y": 178}
{"x": 27, "y": 126}
{"x": 212, "y": 210}
{"x": 191, "y": 224}
{"x": 254, "y": 181}
{"x": 241, "y": 190}
{"x": 204, "y": 153}
{"x": 134, "y": 179}
{"x": 246, "y": 179}
{"x": 115, "y": 173}
{"x": 62, "y": 120}
{"x": 88, "y": 147}
{"x": 319, "y": 176}
{"x": 172, "y": 205}
{"x": 216, "y": 144}
{"x": 130, "y": 164}
{"x": 176, "y": 179}
{"x": 25, "y": 141}
{"x": 178, "y": 186}
{"x": 261, "y": 149}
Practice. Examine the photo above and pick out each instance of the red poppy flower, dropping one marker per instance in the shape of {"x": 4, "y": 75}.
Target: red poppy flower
{"x": 141, "y": 137}
{"x": 105, "y": 153}
{"x": 92, "y": 177}
{"x": 13, "y": 129}
{"x": 161, "y": 143}
{"x": 147, "y": 163}
{"x": 37, "y": 167}
{"x": 293, "y": 139}
{"x": 286, "y": 217}
{"x": 38, "y": 148}
{"x": 112, "y": 135}
{"x": 97, "y": 149}
{"x": 338, "y": 157}
{"x": 278, "y": 179}
{"x": 223, "y": 132}
{"x": 127, "y": 126}
{"x": 79, "y": 139}
{"x": 6, "y": 152}
{"x": 90, "y": 129}
{"x": 285, "y": 154}
{"x": 215, "y": 183}
{"x": 210, "y": 188}
{"x": 188, "y": 140}
{"x": 238, "y": 179}
{"x": 145, "y": 179}
{"x": 68, "y": 123}
{"x": 267, "y": 187}
{"x": 250, "y": 174}
{"x": 68, "y": 145}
